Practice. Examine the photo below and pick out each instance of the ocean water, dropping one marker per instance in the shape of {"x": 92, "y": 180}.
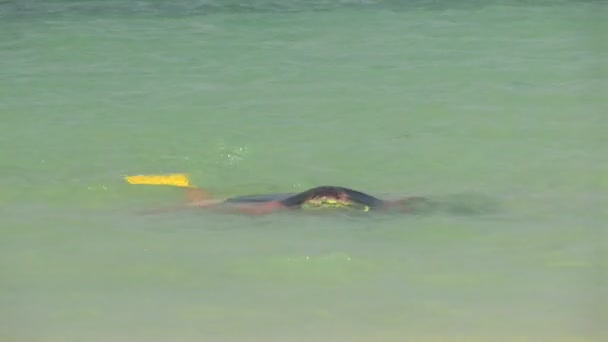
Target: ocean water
{"x": 497, "y": 110}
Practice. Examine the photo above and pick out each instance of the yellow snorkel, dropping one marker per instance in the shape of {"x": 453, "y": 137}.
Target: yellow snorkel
{"x": 174, "y": 179}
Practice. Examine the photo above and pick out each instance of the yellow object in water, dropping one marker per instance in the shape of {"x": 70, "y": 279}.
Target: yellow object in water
{"x": 175, "y": 179}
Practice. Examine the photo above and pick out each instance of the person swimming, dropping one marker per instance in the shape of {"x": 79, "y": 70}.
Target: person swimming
{"x": 328, "y": 197}
{"x": 334, "y": 197}
{"x": 322, "y": 197}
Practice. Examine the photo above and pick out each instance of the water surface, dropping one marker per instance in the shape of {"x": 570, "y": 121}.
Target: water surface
{"x": 497, "y": 109}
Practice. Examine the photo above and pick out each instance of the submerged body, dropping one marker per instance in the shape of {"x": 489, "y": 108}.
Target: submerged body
{"x": 320, "y": 197}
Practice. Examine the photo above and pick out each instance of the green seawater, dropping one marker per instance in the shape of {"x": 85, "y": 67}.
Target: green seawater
{"x": 497, "y": 110}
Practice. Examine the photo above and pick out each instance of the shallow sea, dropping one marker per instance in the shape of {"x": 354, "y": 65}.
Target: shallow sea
{"x": 497, "y": 110}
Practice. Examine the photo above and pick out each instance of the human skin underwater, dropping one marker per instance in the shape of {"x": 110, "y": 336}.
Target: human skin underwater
{"x": 325, "y": 198}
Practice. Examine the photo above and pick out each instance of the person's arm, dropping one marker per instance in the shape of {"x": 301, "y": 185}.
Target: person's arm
{"x": 200, "y": 198}
{"x": 205, "y": 203}
{"x": 195, "y": 198}
{"x": 256, "y": 208}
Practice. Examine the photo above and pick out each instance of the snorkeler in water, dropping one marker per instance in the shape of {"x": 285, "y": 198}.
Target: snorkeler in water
{"x": 331, "y": 197}
{"x": 334, "y": 197}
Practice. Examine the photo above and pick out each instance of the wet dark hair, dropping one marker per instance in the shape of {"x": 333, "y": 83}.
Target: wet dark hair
{"x": 332, "y": 191}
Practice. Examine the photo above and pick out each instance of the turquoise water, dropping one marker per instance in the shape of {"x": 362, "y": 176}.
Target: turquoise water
{"x": 495, "y": 109}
